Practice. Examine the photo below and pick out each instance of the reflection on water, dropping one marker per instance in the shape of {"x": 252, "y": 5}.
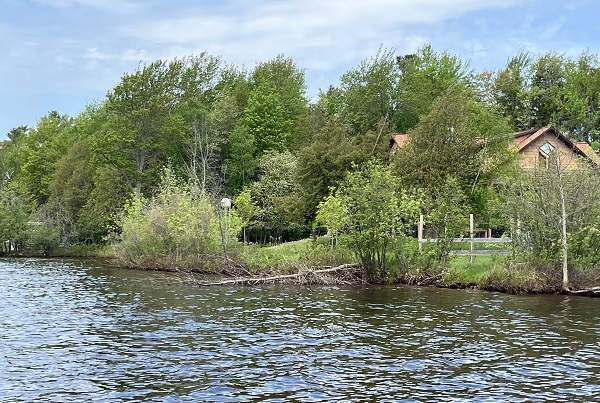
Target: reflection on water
{"x": 76, "y": 331}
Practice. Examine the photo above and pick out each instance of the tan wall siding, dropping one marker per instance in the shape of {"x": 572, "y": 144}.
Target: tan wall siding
{"x": 531, "y": 153}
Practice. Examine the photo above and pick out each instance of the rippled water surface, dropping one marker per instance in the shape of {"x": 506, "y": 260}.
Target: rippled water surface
{"x": 80, "y": 331}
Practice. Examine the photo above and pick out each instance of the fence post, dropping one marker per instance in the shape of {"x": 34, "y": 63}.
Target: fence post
{"x": 472, "y": 235}
{"x": 420, "y": 232}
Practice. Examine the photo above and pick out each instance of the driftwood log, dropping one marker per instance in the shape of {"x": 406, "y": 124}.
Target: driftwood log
{"x": 308, "y": 275}
{"x": 595, "y": 291}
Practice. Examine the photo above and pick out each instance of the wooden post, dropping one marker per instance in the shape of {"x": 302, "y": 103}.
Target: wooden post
{"x": 472, "y": 235}
{"x": 420, "y": 232}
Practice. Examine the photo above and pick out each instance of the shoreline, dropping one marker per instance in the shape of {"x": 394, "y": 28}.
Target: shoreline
{"x": 303, "y": 275}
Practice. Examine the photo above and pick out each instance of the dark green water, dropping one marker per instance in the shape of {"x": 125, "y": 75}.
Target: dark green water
{"x": 81, "y": 331}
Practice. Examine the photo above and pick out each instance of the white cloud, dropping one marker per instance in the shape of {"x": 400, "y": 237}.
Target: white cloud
{"x": 62, "y": 47}
{"x": 114, "y": 6}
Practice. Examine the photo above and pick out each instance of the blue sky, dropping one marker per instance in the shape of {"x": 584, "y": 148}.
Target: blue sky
{"x": 64, "y": 54}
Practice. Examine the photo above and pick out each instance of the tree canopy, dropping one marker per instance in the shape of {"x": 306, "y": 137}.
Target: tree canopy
{"x": 254, "y": 137}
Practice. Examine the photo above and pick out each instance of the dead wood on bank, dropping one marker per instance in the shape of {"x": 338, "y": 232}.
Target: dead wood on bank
{"x": 346, "y": 274}
{"x": 593, "y": 291}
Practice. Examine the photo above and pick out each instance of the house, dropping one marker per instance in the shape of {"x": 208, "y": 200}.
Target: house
{"x": 536, "y": 145}
{"x": 397, "y": 141}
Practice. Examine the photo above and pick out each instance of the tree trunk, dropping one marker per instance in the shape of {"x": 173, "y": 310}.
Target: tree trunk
{"x": 556, "y": 159}
{"x": 563, "y": 236}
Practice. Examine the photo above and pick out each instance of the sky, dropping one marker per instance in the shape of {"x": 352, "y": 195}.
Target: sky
{"x": 65, "y": 54}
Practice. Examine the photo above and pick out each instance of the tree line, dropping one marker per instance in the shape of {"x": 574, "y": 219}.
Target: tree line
{"x": 147, "y": 165}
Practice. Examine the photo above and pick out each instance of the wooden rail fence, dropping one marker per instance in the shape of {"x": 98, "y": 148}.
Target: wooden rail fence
{"x": 471, "y": 239}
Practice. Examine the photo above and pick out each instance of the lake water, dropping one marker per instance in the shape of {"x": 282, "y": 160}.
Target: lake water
{"x": 73, "y": 331}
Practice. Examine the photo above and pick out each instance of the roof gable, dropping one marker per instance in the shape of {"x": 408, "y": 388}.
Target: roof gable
{"x": 526, "y": 137}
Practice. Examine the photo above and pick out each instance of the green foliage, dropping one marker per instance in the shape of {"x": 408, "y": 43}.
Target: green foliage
{"x": 15, "y": 213}
{"x": 203, "y": 144}
{"x": 554, "y": 215}
{"x": 275, "y": 194}
{"x": 266, "y": 120}
{"x": 511, "y": 91}
{"x": 584, "y": 245}
{"x": 287, "y": 82}
{"x": 10, "y": 155}
{"x": 413, "y": 265}
{"x": 323, "y": 163}
{"x": 174, "y": 230}
{"x": 39, "y": 151}
{"x": 245, "y": 210}
{"x": 253, "y": 133}
{"x": 551, "y": 89}
{"x": 579, "y": 100}
{"x": 459, "y": 138}
{"x": 448, "y": 216}
{"x": 240, "y": 164}
{"x": 424, "y": 77}
{"x": 142, "y": 132}
{"x": 70, "y": 189}
{"x": 331, "y": 215}
{"x": 276, "y": 102}
{"x": 375, "y": 213}
{"x": 99, "y": 216}
{"x": 368, "y": 93}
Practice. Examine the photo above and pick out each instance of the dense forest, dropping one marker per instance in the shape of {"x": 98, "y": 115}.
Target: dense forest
{"x": 150, "y": 168}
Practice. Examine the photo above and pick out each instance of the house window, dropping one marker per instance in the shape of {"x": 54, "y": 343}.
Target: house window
{"x": 547, "y": 148}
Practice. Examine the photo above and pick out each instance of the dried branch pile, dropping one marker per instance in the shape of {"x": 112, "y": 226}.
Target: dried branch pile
{"x": 346, "y": 274}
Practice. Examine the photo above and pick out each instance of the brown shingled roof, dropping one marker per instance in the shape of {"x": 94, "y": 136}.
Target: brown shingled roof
{"x": 397, "y": 141}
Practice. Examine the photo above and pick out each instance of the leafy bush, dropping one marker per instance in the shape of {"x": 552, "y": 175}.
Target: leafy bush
{"x": 176, "y": 230}
{"x": 412, "y": 265}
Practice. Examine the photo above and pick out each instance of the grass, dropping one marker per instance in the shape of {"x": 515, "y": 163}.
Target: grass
{"x": 498, "y": 273}
{"x": 289, "y": 256}
{"x": 480, "y": 246}
{"x": 461, "y": 272}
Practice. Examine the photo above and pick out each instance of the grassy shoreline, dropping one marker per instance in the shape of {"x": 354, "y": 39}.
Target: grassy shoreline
{"x": 496, "y": 272}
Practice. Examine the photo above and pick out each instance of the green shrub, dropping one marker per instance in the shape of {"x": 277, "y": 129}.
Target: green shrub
{"x": 176, "y": 230}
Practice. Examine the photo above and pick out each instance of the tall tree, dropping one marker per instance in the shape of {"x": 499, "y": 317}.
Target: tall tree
{"x": 70, "y": 189}
{"x": 324, "y": 162}
{"x": 203, "y": 148}
{"x": 240, "y": 163}
{"x": 286, "y": 80}
{"x": 511, "y": 91}
{"x": 551, "y": 210}
{"x": 141, "y": 133}
{"x": 266, "y": 120}
{"x": 39, "y": 151}
{"x": 274, "y": 193}
{"x": 369, "y": 93}
{"x": 459, "y": 138}
{"x": 579, "y": 115}
{"x": 424, "y": 77}
{"x": 10, "y": 163}
{"x": 276, "y": 102}
{"x": 547, "y": 83}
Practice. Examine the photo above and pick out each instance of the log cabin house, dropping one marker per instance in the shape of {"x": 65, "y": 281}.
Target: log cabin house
{"x": 534, "y": 147}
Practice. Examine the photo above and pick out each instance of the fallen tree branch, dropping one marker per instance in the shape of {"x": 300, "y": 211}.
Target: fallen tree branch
{"x": 585, "y": 291}
{"x": 302, "y": 274}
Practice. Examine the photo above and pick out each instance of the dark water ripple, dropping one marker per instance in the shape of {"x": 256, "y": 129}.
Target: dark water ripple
{"x": 72, "y": 331}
